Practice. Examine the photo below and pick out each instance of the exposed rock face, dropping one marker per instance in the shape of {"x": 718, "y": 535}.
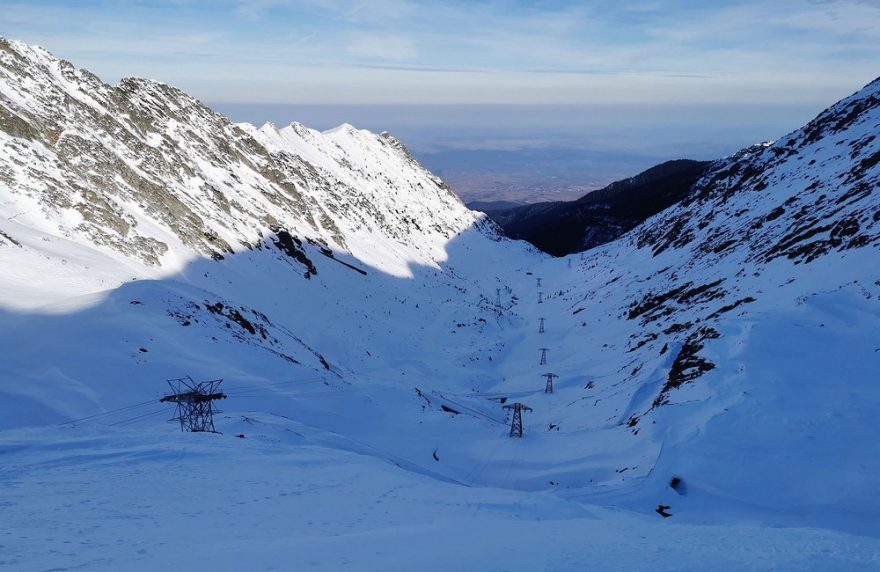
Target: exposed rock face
{"x": 738, "y": 242}
{"x": 142, "y": 168}
{"x": 808, "y": 194}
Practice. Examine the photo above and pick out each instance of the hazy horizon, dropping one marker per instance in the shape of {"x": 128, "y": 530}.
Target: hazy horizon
{"x": 535, "y": 153}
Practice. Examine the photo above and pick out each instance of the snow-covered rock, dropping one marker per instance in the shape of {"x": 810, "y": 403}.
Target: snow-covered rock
{"x": 144, "y": 170}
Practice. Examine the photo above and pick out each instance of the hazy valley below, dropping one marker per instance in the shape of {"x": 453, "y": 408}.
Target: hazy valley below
{"x": 531, "y": 154}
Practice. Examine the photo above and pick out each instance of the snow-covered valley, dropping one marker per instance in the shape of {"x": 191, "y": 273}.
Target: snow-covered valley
{"x": 369, "y": 330}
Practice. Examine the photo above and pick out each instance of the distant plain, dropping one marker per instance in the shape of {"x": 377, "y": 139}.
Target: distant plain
{"x": 532, "y": 153}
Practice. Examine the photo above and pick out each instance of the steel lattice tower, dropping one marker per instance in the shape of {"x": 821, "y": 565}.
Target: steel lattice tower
{"x": 195, "y": 407}
{"x": 516, "y": 428}
{"x": 543, "y": 356}
{"x": 548, "y": 388}
{"x": 541, "y": 326}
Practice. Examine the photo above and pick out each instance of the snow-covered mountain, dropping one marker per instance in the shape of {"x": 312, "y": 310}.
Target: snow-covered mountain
{"x": 370, "y": 328}
{"x": 148, "y": 172}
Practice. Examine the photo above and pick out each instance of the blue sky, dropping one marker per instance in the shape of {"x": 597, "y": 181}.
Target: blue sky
{"x": 452, "y": 52}
{"x": 492, "y": 94}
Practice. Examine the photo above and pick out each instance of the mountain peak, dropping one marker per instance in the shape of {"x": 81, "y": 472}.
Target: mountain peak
{"x": 147, "y": 171}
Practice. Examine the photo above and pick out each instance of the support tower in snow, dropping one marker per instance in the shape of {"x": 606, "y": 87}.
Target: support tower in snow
{"x": 195, "y": 403}
{"x": 516, "y": 428}
{"x": 540, "y": 297}
{"x": 541, "y": 326}
{"x": 543, "y": 356}
{"x": 548, "y": 388}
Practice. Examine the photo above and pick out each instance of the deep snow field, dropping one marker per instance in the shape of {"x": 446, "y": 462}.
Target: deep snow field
{"x": 287, "y": 498}
{"x": 336, "y": 470}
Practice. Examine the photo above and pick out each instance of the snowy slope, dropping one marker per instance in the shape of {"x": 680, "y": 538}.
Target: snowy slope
{"x": 144, "y": 170}
{"x": 369, "y": 329}
{"x": 737, "y": 332}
